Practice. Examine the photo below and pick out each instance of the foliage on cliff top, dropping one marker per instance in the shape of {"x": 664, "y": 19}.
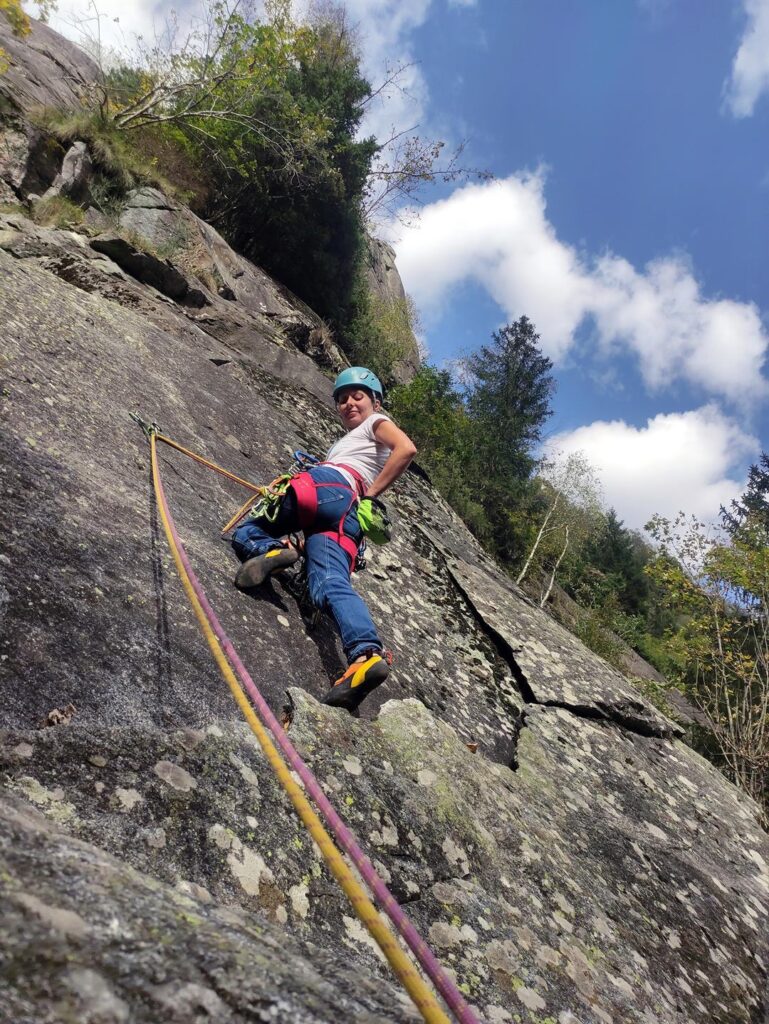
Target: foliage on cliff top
{"x": 16, "y": 16}
{"x": 717, "y": 582}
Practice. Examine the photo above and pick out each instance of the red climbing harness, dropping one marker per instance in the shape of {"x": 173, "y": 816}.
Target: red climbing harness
{"x": 306, "y": 491}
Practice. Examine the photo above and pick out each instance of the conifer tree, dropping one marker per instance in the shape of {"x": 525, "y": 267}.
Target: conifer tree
{"x": 509, "y": 398}
{"x": 753, "y": 505}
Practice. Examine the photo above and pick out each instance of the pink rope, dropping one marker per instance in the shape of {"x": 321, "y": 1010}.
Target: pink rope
{"x": 344, "y": 837}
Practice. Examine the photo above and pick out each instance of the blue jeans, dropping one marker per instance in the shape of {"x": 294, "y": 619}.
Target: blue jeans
{"x": 328, "y": 564}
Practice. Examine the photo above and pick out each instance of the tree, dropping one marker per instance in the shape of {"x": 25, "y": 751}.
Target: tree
{"x": 403, "y": 165}
{"x": 432, "y": 411}
{"x": 20, "y": 26}
{"x": 508, "y": 401}
{"x": 17, "y": 18}
{"x": 308, "y": 230}
{"x": 719, "y": 585}
{"x": 617, "y": 554}
{"x": 571, "y": 516}
{"x": 509, "y": 398}
{"x": 753, "y": 506}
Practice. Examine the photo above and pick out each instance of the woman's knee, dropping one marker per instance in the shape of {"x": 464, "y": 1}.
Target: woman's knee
{"x": 328, "y": 572}
{"x": 328, "y": 587}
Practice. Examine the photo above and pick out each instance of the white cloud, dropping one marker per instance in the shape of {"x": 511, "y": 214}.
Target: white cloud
{"x": 497, "y": 234}
{"x": 750, "y": 69}
{"x": 677, "y": 462}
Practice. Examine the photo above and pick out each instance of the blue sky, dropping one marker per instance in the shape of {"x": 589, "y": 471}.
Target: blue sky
{"x": 628, "y": 218}
{"x": 628, "y": 221}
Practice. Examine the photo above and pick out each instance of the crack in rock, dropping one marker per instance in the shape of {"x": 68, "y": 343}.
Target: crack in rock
{"x": 598, "y": 712}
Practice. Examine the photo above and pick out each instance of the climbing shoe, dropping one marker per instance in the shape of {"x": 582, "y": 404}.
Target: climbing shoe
{"x": 256, "y": 570}
{"x": 358, "y": 681}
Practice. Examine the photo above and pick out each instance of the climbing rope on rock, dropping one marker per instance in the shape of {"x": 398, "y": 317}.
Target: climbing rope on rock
{"x": 223, "y": 649}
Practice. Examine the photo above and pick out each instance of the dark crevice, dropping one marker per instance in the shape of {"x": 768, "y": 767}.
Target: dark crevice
{"x": 579, "y": 710}
{"x": 634, "y": 724}
{"x": 502, "y": 647}
{"x": 409, "y": 899}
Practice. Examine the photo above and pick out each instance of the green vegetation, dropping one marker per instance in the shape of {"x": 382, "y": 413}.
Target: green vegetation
{"x": 123, "y": 162}
{"x": 19, "y": 22}
{"x": 478, "y": 442}
{"x": 717, "y": 587}
{"x": 254, "y": 121}
{"x": 57, "y": 212}
{"x": 382, "y": 334}
{"x": 16, "y": 16}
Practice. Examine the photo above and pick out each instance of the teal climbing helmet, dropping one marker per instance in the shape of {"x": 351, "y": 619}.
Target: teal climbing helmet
{"x": 359, "y": 376}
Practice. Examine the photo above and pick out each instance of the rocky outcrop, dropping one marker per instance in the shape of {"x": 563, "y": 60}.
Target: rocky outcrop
{"x": 581, "y": 861}
{"x": 560, "y": 888}
{"x": 74, "y": 177}
{"x": 98, "y": 941}
{"x": 44, "y": 70}
{"x": 568, "y": 857}
{"x": 153, "y": 239}
{"x": 389, "y": 298}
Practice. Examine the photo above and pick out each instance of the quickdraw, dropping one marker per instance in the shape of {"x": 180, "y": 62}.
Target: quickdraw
{"x": 266, "y": 501}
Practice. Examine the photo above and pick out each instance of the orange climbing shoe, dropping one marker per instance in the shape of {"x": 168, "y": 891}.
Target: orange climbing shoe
{"x": 256, "y": 570}
{"x": 358, "y": 681}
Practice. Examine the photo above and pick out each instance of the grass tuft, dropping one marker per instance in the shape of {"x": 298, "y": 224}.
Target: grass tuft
{"x": 57, "y": 212}
{"x": 127, "y": 160}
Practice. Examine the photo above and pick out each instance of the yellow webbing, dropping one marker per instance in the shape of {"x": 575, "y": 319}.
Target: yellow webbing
{"x": 406, "y": 972}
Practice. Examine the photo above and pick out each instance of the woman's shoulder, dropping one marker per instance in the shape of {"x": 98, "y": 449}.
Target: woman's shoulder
{"x": 373, "y": 419}
{"x": 376, "y": 417}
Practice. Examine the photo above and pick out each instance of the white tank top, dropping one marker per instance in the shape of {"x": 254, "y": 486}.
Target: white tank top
{"x": 360, "y": 450}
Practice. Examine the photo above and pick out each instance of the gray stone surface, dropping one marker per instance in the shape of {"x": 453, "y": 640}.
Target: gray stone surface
{"x": 14, "y": 150}
{"x": 87, "y": 938}
{"x": 613, "y": 877}
{"x": 29, "y": 160}
{"x": 45, "y": 70}
{"x": 148, "y": 269}
{"x": 550, "y": 667}
{"x": 385, "y": 284}
{"x": 199, "y": 314}
{"x": 73, "y": 179}
{"x": 154, "y": 218}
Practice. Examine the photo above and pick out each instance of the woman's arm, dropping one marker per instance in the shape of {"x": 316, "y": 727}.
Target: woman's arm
{"x": 403, "y": 451}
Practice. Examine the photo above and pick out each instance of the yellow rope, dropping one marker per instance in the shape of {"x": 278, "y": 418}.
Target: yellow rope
{"x": 406, "y": 972}
{"x": 211, "y": 465}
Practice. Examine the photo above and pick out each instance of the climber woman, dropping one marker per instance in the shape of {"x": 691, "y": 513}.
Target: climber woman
{"x": 328, "y": 502}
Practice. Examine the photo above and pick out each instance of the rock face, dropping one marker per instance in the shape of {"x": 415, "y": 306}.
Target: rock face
{"x": 566, "y": 855}
{"x": 45, "y": 70}
{"x": 75, "y": 174}
{"x": 138, "y": 951}
{"x": 387, "y": 291}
